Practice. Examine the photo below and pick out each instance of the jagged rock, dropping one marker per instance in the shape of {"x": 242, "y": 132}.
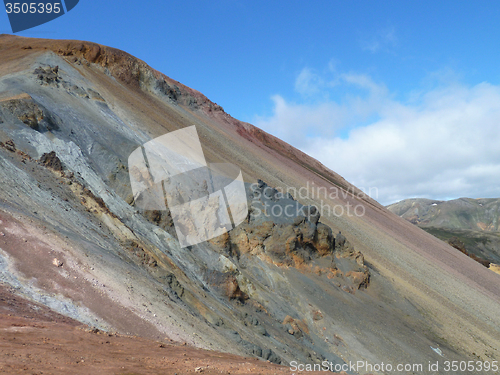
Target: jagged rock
{"x": 282, "y": 228}
{"x": 281, "y": 242}
{"x": 344, "y": 248}
{"x": 357, "y": 273}
{"x": 288, "y": 232}
{"x": 340, "y": 240}
{"x": 172, "y": 92}
{"x": 312, "y": 214}
{"x": 10, "y": 146}
{"x": 297, "y": 240}
{"x": 174, "y": 285}
{"x": 296, "y": 327}
{"x": 359, "y": 279}
{"x": 25, "y": 109}
{"x": 227, "y": 283}
{"x": 163, "y": 219}
{"x": 50, "y": 160}
{"x": 48, "y": 75}
{"x": 248, "y": 238}
{"x": 324, "y": 241}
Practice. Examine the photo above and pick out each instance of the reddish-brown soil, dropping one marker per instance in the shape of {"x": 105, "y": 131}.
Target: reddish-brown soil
{"x": 36, "y": 340}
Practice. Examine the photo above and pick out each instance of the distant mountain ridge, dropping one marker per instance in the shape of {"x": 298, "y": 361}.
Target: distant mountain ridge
{"x": 474, "y": 222}
{"x": 463, "y": 213}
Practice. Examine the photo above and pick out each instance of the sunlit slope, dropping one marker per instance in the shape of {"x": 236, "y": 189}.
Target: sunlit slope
{"x": 103, "y": 105}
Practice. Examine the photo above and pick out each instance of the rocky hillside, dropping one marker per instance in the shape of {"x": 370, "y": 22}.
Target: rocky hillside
{"x": 339, "y": 279}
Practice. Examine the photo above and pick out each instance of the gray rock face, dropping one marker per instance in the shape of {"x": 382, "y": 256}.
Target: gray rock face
{"x": 24, "y": 109}
{"x": 282, "y": 228}
{"x": 48, "y": 76}
{"x": 286, "y": 233}
{"x": 269, "y": 204}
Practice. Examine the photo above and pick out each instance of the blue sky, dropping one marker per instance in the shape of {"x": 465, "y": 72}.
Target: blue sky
{"x": 401, "y": 96}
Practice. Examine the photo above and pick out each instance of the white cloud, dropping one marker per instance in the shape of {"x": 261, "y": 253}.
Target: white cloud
{"x": 294, "y": 121}
{"x": 442, "y": 144}
{"x": 308, "y": 83}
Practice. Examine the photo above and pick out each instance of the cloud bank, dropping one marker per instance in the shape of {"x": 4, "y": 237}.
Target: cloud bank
{"x": 443, "y": 143}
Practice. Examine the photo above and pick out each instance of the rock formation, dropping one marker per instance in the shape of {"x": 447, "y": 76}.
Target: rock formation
{"x": 288, "y": 234}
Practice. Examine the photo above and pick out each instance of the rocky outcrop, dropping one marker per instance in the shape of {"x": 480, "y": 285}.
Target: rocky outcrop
{"x": 459, "y": 245}
{"x": 287, "y": 240}
{"x": 358, "y": 272}
{"x": 126, "y": 69}
{"x": 256, "y": 350}
{"x": 24, "y": 109}
{"x": 286, "y": 233}
{"x": 48, "y": 76}
{"x": 52, "y": 76}
{"x": 227, "y": 284}
{"x": 50, "y": 160}
{"x": 296, "y": 327}
{"x": 9, "y": 145}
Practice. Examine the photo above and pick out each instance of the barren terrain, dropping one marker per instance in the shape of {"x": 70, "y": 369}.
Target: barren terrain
{"x": 36, "y": 340}
{"x": 73, "y": 240}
